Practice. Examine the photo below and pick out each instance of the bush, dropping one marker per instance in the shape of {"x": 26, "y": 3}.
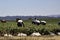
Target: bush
{"x": 2, "y": 31}
{"x": 44, "y": 31}
{"x": 56, "y": 31}
{"x": 14, "y": 31}
{"x": 27, "y": 30}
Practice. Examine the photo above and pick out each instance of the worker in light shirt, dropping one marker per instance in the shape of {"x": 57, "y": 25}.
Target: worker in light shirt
{"x": 20, "y": 23}
{"x": 36, "y": 21}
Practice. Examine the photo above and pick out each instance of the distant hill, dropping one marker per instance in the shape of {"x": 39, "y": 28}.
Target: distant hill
{"x": 56, "y": 16}
{"x": 27, "y": 17}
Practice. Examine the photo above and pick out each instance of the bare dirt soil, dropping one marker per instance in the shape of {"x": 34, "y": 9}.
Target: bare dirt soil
{"x": 31, "y": 38}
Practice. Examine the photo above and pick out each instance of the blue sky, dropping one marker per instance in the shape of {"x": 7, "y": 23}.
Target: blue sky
{"x": 29, "y": 7}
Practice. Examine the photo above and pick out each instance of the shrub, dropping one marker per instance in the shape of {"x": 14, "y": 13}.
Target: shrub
{"x": 56, "y": 31}
{"x": 14, "y": 31}
{"x": 44, "y": 31}
{"x": 27, "y": 30}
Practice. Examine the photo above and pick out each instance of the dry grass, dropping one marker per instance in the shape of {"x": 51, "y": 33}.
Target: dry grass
{"x": 31, "y": 38}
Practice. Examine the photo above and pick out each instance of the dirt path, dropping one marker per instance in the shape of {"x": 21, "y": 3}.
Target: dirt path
{"x": 31, "y": 38}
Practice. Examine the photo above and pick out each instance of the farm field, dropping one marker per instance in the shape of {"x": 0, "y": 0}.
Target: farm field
{"x": 52, "y": 23}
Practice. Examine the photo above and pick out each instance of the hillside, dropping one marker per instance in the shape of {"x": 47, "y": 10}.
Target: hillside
{"x": 26, "y": 17}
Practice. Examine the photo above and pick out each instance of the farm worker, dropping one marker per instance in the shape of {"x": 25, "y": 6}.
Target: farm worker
{"x": 36, "y": 21}
{"x": 20, "y": 23}
{"x": 3, "y": 21}
{"x": 43, "y": 22}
